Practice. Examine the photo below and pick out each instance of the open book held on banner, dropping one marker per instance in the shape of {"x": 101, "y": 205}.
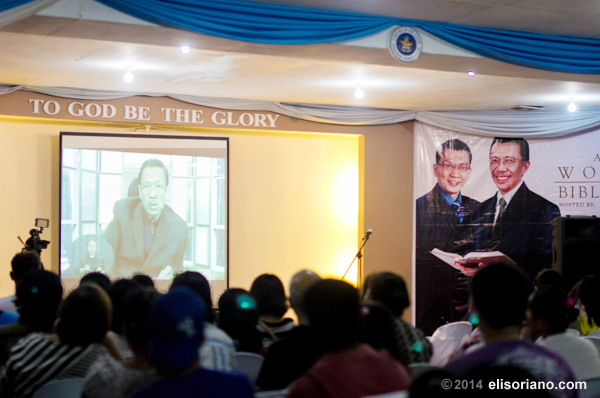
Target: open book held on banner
{"x": 471, "y": 260}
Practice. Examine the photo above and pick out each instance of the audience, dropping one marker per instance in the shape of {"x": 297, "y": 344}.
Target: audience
{"x": 84, "y": 320}
{"x": 288, "y": 358}
{"x": 550, "y": 312}
{"x": 175, "y": 331}
{"x": 390, "y": 290}
{"x": 217, "y": 351}
{"x": 38, "y": 296}
{"x": 499, "y": 295}
{"x": 144, "y": 280}
{"x": 167, "y": 345}
{"x": 98, "y": 278}
{"x": 586, "y": 294}
{"x": 238, "y": 318}
{"x": 117, "y": 292}
{"x": 347, "y": 369}
{"x": 21, "y": 264}
{"x": 109, "y": 377}
{"x": 269, "y": 293}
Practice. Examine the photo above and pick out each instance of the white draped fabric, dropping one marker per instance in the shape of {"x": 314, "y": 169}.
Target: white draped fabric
{"x": 540, "y": 124}
{"x": 316, "y": 113}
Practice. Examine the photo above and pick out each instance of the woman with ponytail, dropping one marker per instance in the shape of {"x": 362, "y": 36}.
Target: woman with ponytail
{"x": 586, "y": 294}
{"x": 550, "y": 312}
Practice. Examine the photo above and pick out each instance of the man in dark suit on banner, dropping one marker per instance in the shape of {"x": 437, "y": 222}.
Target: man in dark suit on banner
{"x": 515, "y": 221}
{"x": 147, "y": 235}
{"x": 442, "y": 216}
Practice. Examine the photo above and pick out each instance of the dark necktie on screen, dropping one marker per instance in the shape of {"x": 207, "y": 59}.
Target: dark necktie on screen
{"x": 458, "y": 211}
{"x": 497, "y": 230}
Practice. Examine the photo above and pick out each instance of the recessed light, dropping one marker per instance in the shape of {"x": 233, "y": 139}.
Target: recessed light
{"x": 471, "y": 73}
{"x": 185, "y": 49}
{"x": 359, "y": 93}
{"x": 572, "y": 107}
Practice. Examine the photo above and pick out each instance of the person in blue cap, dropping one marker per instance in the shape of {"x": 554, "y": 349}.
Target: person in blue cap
{"x": 175, "y": 331}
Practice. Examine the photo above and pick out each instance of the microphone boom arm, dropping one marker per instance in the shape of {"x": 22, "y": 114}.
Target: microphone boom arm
{"x": 359, "y": 253}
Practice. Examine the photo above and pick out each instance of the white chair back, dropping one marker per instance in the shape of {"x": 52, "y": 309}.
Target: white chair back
{"x": 248, "y": 364}
{"x": 69, "y": 388}
{"x": 271, "y": 394}
{"x": 446, "y": 339}
{"x": 594, "y": 340}
{"x": 417, "y": 369}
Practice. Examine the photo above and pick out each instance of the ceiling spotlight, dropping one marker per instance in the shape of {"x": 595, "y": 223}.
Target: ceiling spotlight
{"x": 128, "y": 76}
{"x": 359, "y": 93}
{"x": 471, "y": 73}
{"x": 185, "y": 49}
{"x": 572, "y": 107}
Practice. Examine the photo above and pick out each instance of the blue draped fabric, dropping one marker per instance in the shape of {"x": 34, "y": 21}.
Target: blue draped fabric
{"x": 282, "y": 24}
{"x": 8, "y": 4}
{"x": 254, "y": 22}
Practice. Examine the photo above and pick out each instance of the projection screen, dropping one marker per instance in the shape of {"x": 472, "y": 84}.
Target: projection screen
{"x": 156, "y": 205}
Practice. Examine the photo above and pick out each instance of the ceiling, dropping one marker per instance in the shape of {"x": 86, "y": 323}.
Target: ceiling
{"x": 57, "y": 51}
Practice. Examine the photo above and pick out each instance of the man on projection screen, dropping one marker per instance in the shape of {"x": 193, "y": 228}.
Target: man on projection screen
{"x": 442, "y": 218}
{"x": 146, "y": 235}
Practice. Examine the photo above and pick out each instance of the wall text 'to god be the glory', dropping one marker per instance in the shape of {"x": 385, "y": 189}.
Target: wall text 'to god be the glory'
{"x": 142, "y": 113}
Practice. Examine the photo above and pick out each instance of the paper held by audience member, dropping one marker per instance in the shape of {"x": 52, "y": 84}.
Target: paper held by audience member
{"x": 474, "y": 257}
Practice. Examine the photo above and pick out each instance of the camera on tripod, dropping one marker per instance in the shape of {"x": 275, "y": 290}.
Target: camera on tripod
{"x": 34, "y": 243}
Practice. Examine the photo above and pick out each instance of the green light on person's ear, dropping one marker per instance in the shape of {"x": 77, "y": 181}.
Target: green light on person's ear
{"x": 473, "y": 319}
{"x": 246, "y": 302}
{"x": 417, "y": 347}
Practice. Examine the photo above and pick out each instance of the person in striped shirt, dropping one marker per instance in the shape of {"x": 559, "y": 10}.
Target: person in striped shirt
{"x": 84, "y": 319}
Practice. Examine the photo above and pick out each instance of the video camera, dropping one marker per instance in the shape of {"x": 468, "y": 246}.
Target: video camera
{"x": 34, "y": 243}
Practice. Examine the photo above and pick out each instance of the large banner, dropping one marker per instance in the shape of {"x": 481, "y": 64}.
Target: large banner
{"x": 495, "y": 195}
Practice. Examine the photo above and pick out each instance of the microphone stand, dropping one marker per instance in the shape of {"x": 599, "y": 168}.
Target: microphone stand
{"x": 359, "y": 257}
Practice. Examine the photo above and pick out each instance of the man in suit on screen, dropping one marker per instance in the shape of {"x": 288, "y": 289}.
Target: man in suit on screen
{"x": 442, "y": 216}
{"x": 515, "y": 221}
{"x": 147, "y": 235}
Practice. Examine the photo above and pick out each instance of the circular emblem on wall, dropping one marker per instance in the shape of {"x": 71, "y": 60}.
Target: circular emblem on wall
{"x": 405, "y": 44}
